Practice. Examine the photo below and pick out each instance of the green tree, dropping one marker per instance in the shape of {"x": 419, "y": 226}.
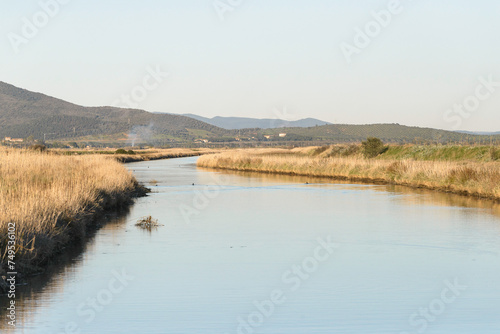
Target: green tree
{"x": 373, "y": 147}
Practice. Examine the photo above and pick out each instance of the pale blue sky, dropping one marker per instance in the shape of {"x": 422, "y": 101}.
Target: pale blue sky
{"x": 266, "y": 54}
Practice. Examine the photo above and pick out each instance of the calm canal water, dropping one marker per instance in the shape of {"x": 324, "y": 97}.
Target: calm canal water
{"x": 246, "y": 253}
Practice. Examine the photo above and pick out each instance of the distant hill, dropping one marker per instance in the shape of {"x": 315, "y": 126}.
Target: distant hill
{"x": 237, "y": 123}
{"x": 480, "y": 133}
{"x": 24, "y": 113}
{"x": 387, "y": 132}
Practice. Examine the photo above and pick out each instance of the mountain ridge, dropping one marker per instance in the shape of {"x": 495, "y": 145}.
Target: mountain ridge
{"x": 238, "y": 123}
{"x": 26, "y": 114}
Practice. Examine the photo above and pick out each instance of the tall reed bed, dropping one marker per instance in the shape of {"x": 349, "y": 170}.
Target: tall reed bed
{"x": 52, "y": 198}
{"x": 465, "y": 177}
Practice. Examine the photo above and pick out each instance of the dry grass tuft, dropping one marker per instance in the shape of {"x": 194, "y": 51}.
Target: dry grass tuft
{"x": 148, "y": 223}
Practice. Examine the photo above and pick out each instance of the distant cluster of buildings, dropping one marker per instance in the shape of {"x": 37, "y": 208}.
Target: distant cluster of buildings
{"x": 204, "y": 141}
{"x": 281, "y": 135}
{"x": 14, "y": 140}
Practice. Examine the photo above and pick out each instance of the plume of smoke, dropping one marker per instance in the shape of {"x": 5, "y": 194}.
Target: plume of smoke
{"x": 140, "y": 132}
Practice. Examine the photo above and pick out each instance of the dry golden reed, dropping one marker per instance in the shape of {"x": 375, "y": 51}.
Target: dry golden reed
{"x": 465, "y": 177}
{"x": 50, "y": 196}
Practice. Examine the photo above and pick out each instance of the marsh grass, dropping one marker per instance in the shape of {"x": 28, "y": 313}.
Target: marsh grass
{"x": 53, "y": 198}
{"x": 466, "y": 177}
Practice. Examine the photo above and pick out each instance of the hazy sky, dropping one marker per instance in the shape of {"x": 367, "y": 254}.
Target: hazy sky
{"x": 422, "y": 65}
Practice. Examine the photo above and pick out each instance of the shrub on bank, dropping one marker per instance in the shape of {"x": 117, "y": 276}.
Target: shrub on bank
{"x": 122, "y": 151}
{"x": 38, "y": 147}
{"x": 373, "y": 147}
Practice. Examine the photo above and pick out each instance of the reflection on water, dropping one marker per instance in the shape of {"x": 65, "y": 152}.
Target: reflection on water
{"x": 231, "y": 240}
{"x": 67, "y": 264}
{"x": 418, "y": 196}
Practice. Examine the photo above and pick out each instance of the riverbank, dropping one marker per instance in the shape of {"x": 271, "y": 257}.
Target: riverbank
{"x": 126, "y": 155}
{"x": 54, "y": 200}
{"x": 149, "y": 155}
{"x": 479, "y": 177}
